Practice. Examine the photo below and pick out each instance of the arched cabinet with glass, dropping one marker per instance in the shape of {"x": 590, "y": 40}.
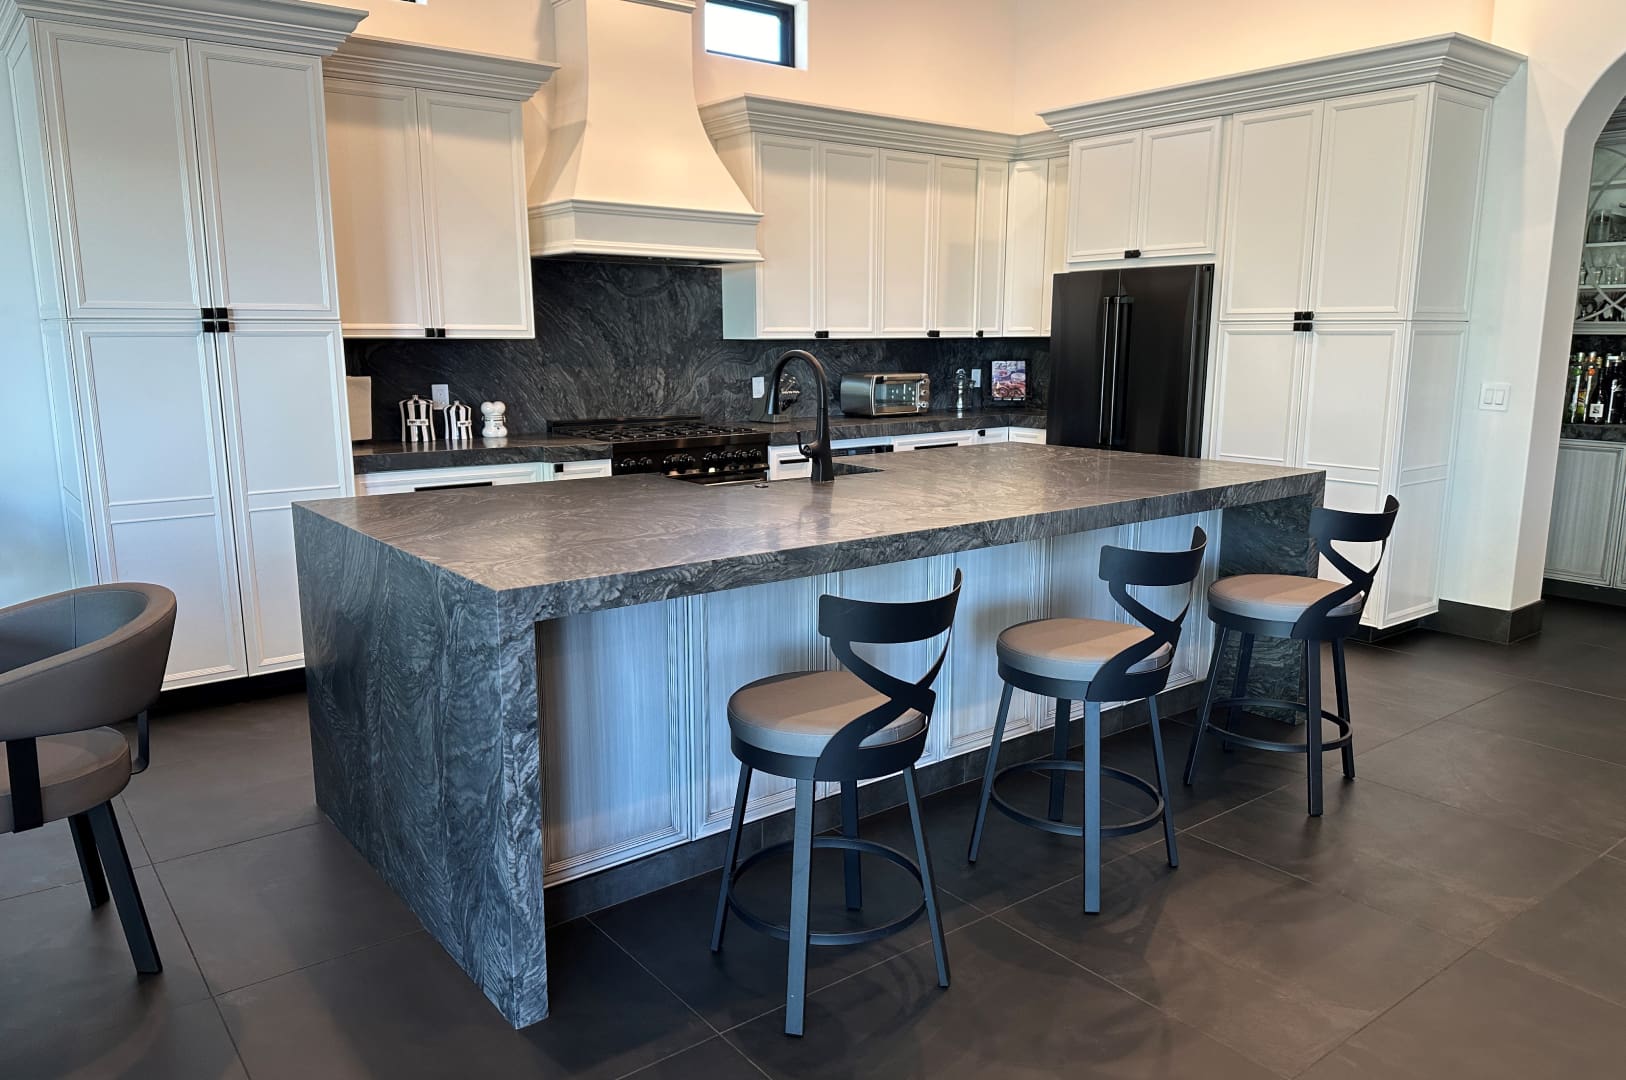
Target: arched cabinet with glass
{"x": 1601, "y": 307}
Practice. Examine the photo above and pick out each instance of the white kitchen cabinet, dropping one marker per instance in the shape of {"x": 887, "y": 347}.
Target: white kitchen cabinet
{"x": 954, "y": 247}
{"x": 427, "y": 172}
{"x": 1145, "y": 194}
{"x": 1271, "y": 197}
{"x": 906, "y": 244}
{"x": 992, "y": 206}
{"x": 985, "y": 436}
{"x": 576, "y": 470}
{"x": 1035, "y": 244}
{"x": 1036, "y": 436}
{"x": 848, "y": 228}
{"x": 933, "y": 440}
{"x": 397, "y": 481}
{"x": 1256, "y": 389}
{"x": 1584, "y": 536}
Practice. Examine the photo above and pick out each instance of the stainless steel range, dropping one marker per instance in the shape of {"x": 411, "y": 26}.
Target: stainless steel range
{"x": 684, "y": 447}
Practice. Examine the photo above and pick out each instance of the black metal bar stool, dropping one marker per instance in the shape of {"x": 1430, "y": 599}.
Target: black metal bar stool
{"x": 1312, "y": 610}
{"x": 1094, "y": 661}
{"x": 844, "y": 726}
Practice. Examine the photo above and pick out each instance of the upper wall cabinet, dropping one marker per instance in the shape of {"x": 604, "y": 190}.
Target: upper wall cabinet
{"x": 1035, "y": 243}
{"x": 427, "y": 166}
{"x": 871, "y": 226}
{"x": 1151, "y": 193}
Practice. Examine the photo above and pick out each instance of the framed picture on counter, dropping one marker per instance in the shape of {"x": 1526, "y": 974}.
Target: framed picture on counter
{"x": 1008, "y": 382}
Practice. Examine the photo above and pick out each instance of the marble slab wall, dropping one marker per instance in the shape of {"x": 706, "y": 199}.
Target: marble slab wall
{"x": 643, "y": 339}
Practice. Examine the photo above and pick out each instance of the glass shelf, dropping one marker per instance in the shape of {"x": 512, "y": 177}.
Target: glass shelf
{"x": 1601, "y": 329}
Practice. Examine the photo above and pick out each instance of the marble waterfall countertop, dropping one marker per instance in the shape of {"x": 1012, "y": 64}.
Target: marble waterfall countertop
{"x": 385, "y": 456}
{"x": 560, "y": 549}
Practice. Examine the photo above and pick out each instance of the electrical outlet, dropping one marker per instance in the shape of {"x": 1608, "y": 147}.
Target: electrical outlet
{"x": 440, "y": 394}
{"x": 976, "y": 376}
{"x": 1493, "y": 396}
{"x": 759, "y": 386}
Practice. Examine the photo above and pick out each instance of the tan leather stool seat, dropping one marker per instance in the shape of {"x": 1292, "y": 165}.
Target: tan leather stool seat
{"x": 1275, "y": 597}
{"x": 1073, "y": 649}
{"x": 77, "y": 771}
{"x": 797, "y": 713}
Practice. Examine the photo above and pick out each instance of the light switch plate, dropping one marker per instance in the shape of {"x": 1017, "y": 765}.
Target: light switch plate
{"x": 759, "y": 385}
{"x": 440, "y": 394}
{"x": 1493, "y": 396}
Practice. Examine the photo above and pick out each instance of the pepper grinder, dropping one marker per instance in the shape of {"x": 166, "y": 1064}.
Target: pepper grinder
{"x": 961, "y": 379}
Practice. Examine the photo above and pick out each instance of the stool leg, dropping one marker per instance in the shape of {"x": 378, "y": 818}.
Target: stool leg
{"x": 1162, "y": 783}
{"x": 1340, "y": 678}
{"x": 121, "y": 881}
{"x": 801, "y": 876}
{"x": 1208, "y": 705}
{"x": 90, "y": 864}
{"x": 730, "y": 856}
{"x": 1312, "y": 723}
{"x": 988, "y": 773}
{"x": 927, "y": 881}
{"x": 852, "y": 872}
{"x": 1092, "y": 807}
{"x": 1058, "y": 750}
{"x": 1239, "y": 688}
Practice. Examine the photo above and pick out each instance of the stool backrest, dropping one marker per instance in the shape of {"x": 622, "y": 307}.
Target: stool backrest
{"x": 1121, "y": 568}
{"x": 1328, "y": 527}
{"x": 847, "y": 622}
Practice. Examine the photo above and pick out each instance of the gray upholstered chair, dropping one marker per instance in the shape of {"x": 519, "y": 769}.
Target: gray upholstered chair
{"x": 70, "y": 664}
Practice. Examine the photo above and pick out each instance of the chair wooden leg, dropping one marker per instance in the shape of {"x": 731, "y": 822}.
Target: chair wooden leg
{"x": 1208, "y": 705}
{"x": 90, "y": 864}
{"x": 1058, "y": 750}
{"x": 801, "y": 876}
{"x": 852, "y": 871}
{"x": 927, "y": 880}
{"x": 730, "y": 857}
{"x": 1312, "y": 723}
{"x": 1092, "y": 807}
{"x": 121, "y": 882}
{"x": 1163, "y": 784}
{"x": 1340, "y": 678}
{"x": 988, "y": 773}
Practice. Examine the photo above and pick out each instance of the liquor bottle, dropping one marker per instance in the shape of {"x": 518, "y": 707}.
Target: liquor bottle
{"x": 1597, "y": 402}
{"x": 1572, "y": 386}
{"x": 1583, "y": 398}
{"x": 1615, "y": 408}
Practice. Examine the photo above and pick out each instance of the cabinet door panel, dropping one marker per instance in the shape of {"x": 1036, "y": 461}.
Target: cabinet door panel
{"x": 126, "y": 177}
{"x": 906, "y": 213}
{"x": 848, "y": 227}
{"x": 158, "y": 473}
{"x": 1270, "y": 212}
{"x": 991, "y": 203}
{"x": 1255, "y": 394}
{"x": 1371, "y": 164}
{"x": 286, "y": 432}
{"x": 1027, "y": 277}
{"x": 1104, "y": 180}
{"x": 1055, "y": 233}
{"x": 474, "y": 188}
{"x": 954, "y": 250}
{"x": 378, "y": 212}
{"x": 1179, "y": 189}
{"x": 786, "y": 199}
{"x": 1452, "y": 197}
{"x": 262, "y": 149}
{"x": 1581, "y": 540}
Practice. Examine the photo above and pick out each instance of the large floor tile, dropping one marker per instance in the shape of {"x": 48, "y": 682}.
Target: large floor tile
{"x": 1577, "y": 935}
{"x": 1276, "y": 968}
{"x": 71, "y": 1002}
{"x": 1431, "y": 683}
{"x": 43, "y": 858}
{"x": 1519, "y": 783}
{"x": 1583, "y": 723}
{"x": 1577, "y": 620}
{"x": 264, "y": 907}
{"x": 714, "y": 1059}
{"x": 1015, "y": 1010}
{"x": 669, "y": 932}
{"x": 1575, "y": 664}
{"x": 1435, "y": 865}
{"x": 1490, "y": 1020}
{"x": 404, "y": 1010}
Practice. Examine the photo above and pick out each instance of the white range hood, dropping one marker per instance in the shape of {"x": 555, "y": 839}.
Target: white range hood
{"x": 629, "y": 171}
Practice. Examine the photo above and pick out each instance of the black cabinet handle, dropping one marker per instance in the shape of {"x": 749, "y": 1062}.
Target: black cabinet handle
{"x": 979, "y": 333}
{"x": 934, "y": 333}
{"x": 1132, "y": 253}
{"x": 821, "y": 334}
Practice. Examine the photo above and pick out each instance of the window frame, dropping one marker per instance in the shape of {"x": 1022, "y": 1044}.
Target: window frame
{"x": 784, "y": 12}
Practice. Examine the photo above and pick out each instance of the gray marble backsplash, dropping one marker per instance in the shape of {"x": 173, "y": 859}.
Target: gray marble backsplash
{"x": 643, "y": 339}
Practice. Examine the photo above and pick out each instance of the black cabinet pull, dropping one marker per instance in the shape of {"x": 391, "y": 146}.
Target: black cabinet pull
{"x": 821, "y": 334}
{"x": 429, "y": 331}
{"x": 1132, "y": 253}
{"x": 1303, "y": 326}
{"x": 934, "y": 333}
{"x": 979, "y": 333}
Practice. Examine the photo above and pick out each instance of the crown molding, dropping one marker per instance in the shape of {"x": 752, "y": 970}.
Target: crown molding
{"x": 1449, "y": 59}
{"x": 776, "y": 116}
{"x": 635, "y": 230}
{"x": 370, "y": 59}
{"x": 286, "y": 25}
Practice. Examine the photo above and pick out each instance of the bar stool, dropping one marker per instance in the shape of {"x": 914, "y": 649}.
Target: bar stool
{"x": 1094, "y": 661}
{"x": 842, "y": 726}
{"x": 1312, "y": 610}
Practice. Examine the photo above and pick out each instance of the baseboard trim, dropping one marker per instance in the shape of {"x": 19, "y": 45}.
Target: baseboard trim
{"x": 230, "y": 692}
{"x": 1497, "y": 625}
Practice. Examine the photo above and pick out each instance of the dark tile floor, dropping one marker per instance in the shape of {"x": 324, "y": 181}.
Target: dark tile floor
{"x": 1460, "y": 909}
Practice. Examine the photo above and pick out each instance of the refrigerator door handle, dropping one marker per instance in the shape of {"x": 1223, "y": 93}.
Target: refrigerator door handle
{"x": 1116, "y": 420}
{"x": 1109, "y": 340}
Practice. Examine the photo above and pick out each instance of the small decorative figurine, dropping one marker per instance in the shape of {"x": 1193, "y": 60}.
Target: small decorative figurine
{"x": 496, "y": 420}
{"x": 417, "y": 420}
{"x": 459, "y": 422}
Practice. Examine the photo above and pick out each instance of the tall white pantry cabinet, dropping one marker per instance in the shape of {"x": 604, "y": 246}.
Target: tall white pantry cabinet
{"x": 174, "y": 168}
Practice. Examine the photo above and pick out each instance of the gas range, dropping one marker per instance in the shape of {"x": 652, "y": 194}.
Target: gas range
{"x": 684, "y": 447}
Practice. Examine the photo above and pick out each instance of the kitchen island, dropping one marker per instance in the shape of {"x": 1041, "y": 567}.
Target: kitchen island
{"x": 513, "y": 686}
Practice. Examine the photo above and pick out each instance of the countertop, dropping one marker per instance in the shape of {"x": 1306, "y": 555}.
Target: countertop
{"x": 382, "y": 456}
{"x": 559, "y": 549}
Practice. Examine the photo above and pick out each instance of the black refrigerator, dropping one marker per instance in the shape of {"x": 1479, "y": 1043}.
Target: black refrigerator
{"x": 1129, "y": 359}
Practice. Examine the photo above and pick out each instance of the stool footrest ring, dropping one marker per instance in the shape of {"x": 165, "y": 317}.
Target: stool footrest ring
{"x": 829, "y": 937}
{"x": 1273, "y": 746}
{"x": 1062, "y": 828}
